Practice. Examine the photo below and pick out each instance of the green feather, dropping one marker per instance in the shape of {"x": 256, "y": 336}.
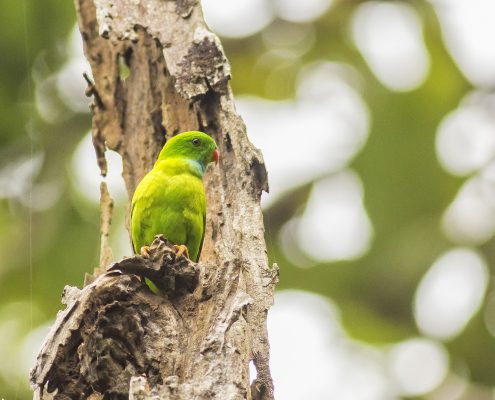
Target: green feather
{"x": 170, "y": 199}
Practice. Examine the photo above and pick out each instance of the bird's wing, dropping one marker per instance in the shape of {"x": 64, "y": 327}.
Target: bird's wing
{"x": 132, "y": 241}
{"x": 142, "y": 196}
{"x": 133, "y": 238}
{"x": 202, "y": 237}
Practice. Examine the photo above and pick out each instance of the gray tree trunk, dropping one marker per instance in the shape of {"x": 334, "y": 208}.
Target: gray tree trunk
{"x": 115, "y": 339}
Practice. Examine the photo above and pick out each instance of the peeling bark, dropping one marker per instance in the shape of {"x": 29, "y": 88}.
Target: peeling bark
{"x": 116, "y": 339}
{"x": 106, "y": 209}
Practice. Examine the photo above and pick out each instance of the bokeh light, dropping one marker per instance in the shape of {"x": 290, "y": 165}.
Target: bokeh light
{"x": 328, "y": 107}
{"x": 293, "y": 39}
{"x": 465, "y": 141}
{"x": 290, "y": 246}
{"x": 301, "y": 11}
{"x": 17, "y": 175}
{"x": 453, "y": 387}
{"x": 450, "y": 293}
{"x": 468, "y": 31}
{"x": 470, "y": 218}
{"x": 306, "y": 327}
{"x": 418, "y": 365}
{"x": 18, "y": 345}
{"x": 87, "y": 174}
{"x": 335, "y": 225}
{"x": 389, "y": 36}
{"x": 236, "y": 19}
{"x": 71, "y": 86}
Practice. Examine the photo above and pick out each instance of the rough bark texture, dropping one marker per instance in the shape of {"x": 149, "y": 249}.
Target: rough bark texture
{"x": 116, "y": 339}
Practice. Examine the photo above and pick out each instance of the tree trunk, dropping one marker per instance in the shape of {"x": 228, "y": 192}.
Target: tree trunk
{"x": 116, "y": 339}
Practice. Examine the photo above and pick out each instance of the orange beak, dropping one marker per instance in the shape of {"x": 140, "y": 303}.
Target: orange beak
{"x": 216, "y": 156}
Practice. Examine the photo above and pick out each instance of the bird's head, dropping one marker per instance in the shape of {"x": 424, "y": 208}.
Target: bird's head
{"x": 193, "y": 145}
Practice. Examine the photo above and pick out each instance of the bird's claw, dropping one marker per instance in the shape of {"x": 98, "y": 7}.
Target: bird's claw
{"x": 181, "y": 250}
{"x": 145, "y": 251}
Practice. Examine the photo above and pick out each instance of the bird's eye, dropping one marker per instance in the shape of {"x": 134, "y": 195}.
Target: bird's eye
{"x": 196, "y": 142}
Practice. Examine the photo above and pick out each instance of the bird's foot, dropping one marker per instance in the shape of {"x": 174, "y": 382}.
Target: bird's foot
{"x": 145, "y": 251}
{"x": 181, "y": 250}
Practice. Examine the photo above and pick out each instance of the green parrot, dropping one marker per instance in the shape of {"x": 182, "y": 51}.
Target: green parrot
{"x": 170, "y": 199}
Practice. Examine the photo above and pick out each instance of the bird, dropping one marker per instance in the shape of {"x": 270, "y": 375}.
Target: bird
{"x": 170, "y": 199}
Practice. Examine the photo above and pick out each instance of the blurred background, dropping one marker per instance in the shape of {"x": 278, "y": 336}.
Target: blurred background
{"x": 377, "y": 123}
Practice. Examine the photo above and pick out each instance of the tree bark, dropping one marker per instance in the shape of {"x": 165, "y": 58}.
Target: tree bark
{"x": 116, "y": 339}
